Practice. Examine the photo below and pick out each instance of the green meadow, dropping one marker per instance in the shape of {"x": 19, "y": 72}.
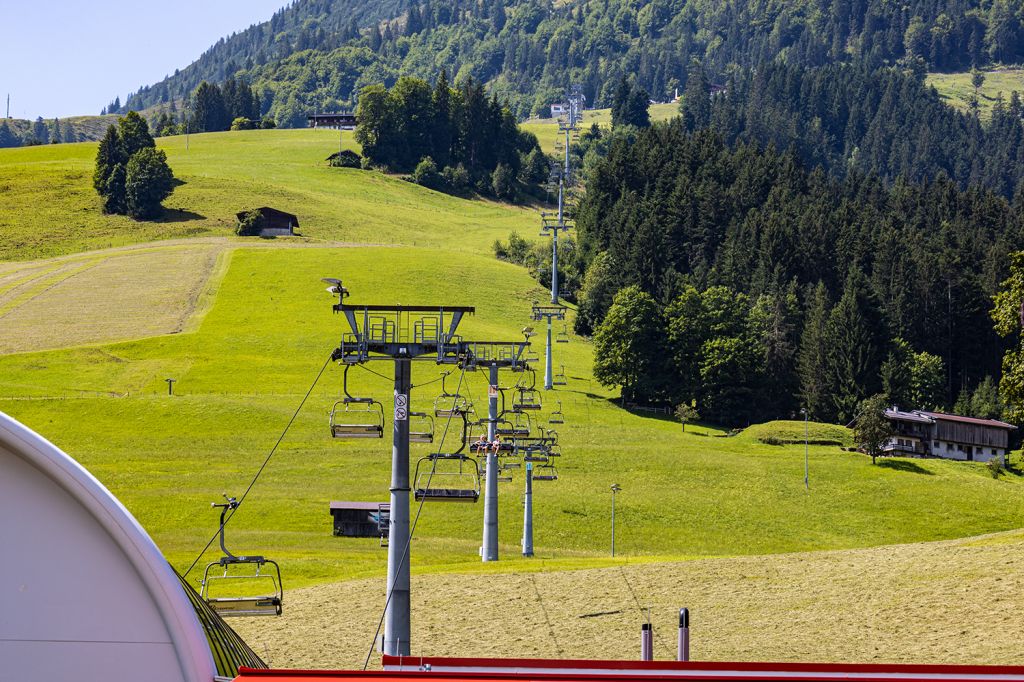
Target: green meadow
{"x": 956, "y": 88}
{"x": 243, "y": 368}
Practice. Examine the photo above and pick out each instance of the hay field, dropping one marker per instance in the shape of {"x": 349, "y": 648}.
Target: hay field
{"x": 103, "y": 298}
{"x": 944, "y": 602}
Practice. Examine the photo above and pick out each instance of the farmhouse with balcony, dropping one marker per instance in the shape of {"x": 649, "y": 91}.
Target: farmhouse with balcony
{"x": 937, "y": 434}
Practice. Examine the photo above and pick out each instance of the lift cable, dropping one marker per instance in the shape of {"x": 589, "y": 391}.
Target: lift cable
{"x": 263, "y": 466}
{"x": 375, "y": 373}
{"x": 412, "y": 531}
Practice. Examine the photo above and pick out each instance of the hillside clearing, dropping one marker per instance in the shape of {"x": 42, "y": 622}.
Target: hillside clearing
{"x": 956, "y": 89}
{"x": 48, "y": 206}
{"x": 945, "y": 602}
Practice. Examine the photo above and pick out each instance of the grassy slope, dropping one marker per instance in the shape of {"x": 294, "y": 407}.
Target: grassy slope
{"x": 243, "y": 372}
{"x": 956, "y": 88}
{"x": 241, "y": 375}
{"x": 546, "y": 129}
{"x": 48, "y": 206}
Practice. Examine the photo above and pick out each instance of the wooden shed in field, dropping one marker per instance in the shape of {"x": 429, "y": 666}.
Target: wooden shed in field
{"x": 266, "y": 222}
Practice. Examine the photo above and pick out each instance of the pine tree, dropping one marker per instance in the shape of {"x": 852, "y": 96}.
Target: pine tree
{"x": 696, "y": 104}
{"x": 812, "y": 358}
{"x": 109, "y": 154}
{"x": 854, "y": 339}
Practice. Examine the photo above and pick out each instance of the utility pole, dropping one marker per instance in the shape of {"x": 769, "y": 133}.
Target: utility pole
{"x": 807, "y": 471}
{"x": 402, "y": 334}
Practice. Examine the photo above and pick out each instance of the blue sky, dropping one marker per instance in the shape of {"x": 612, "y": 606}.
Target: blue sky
{"x": 69, "y": 57}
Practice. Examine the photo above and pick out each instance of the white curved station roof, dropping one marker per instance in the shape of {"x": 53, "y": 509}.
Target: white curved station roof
{"x": 85, "y": 594}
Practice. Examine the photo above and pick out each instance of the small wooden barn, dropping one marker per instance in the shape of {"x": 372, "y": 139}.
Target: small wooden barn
{"x": 266, "y": 222}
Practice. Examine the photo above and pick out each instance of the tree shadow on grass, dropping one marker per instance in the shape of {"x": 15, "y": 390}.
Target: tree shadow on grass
{"x": 179, "y": 215}
{"x": 904, "y": 465}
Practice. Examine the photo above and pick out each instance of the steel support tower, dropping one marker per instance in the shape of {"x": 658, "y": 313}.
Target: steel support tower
{"x": 549, "y": 313}
{"x": 403, "y": 334}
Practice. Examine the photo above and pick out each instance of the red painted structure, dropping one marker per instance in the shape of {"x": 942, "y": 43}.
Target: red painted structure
{"x": 418, "y": 669}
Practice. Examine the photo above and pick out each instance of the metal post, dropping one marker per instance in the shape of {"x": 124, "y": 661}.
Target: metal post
{"x": 684, "y": 635}
{"x": 807, "y": 472}
{"x": 615, "y": 488}
{"x": 548, "y": 369}
{"x": 646, "y": 642}
{"x": 528, "y": 512}
{"x": 397, "y": 618}
{"x": 489, "y": 551}
{"x": 554, "y": 249}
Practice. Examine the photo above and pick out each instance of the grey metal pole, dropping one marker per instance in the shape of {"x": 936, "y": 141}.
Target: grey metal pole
{"x": 614, "y": 490}
{"x": 489, "y": 551}
{"x": 528, "y": 512}
{"x": 571, "y": 122}
{"x": 554, "y": 249}
{"x": 548, "y": 369}
{"x": 646, "y": 642}
{"x": 807, "y": 471}
{"x": 397, "y": 618}
{"x": 684, "y": 635}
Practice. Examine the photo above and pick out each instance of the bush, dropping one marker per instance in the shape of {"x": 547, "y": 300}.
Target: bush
{"x": 242, "y": 123}
{"x": 996, "y": 467}
{"x": 516, "y": 251}
{"x": 503, "y": 182}
{"x": 250, "y": 224}
{"x": 456, "y": 177}
{"x": 267, "y": 123}
{"x": 345, "y": 159}
{"x": 426, "y": 174}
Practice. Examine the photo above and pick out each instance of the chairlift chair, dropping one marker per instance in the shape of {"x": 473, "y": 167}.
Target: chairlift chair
{"x": 359, "y": 418}
{"x": 563, "y": 335}
{"x": 450, "y": 404}
{"x": 559, "y": 379}
{"x": 266, "y": 601}
{"x": 545, "y": 472}
{"x": 526, "y": 399}
{"x": 421, "y": 427}
{"x": 444, "y": 477}
{"x": 557, "y": 417}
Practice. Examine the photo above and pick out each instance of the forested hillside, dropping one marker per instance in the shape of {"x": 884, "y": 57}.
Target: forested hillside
{"x": 747, "y": 283}
{"x": 318, "y": 53}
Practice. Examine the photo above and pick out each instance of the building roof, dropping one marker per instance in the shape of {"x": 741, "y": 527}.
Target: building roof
{"x": 915, "y": 416}
{"x": 277, "y": 213}
{"x": 414, "y": 668}
{"x": 993, "y": 423}
{"x": 363, "y": 506}
{"x": 97, "y": 599}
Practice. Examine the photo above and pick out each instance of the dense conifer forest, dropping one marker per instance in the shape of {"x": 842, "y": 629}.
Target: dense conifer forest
{"x": 318, "y": 54}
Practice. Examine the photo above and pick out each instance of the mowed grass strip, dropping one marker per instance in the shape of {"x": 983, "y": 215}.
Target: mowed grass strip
{"x": 48, "y": 206}
{"x": 243, "y": 373}
{"x": 128, "y": 295}
{"x": 954, "y": 602}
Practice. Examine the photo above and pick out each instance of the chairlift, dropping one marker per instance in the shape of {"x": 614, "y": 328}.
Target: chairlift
{"x": 444, "y": 477}
{"x": 353, "y": 417}
{"x": 450, "y": 404}
{"x": 559, "y": 379}
{"x": 421, "y": 427}
{"x": 557, "y": 417}
{"x": 545, "y": 472}
{"x": 563, "y": 335}
{"x": 265, "y": 601}
{"x": 526, "y": 399}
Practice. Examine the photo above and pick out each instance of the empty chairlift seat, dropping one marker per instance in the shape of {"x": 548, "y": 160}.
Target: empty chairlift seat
{"x": 444, "y": 477}
{"x": 545, "y": 472}
{"x": 421, "y": 427}
{"x": 357, "y": 418}
{"x": 241, "y": 585}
